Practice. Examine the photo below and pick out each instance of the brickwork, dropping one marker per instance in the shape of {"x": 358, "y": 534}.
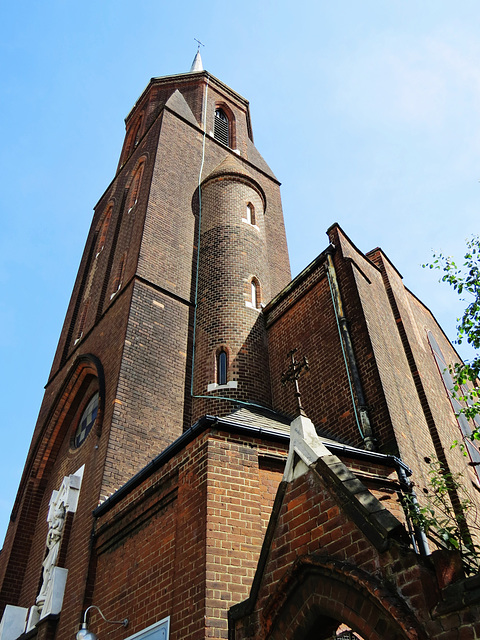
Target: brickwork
{"x": 232, "y": 252}
{"x": 132, "y": 310}
{"x": 185, "y": 541}
{"x": 149, "y": 402}
{"x": 99, "y": 268}
{"x": 138, "y": 572}
{"x": 374, "y": 337}
{"x": 322, "y": 570}
{"x": 304, "y": 318}
{"x": 270, "y": 470}
{"x": 234, "y": 529}
{"x": 183, "y": 534}
{"x": 307, "y": 323}
{"x": 52, "y": 456}
{"x": 414, "y": 321}
{"x": 167, "y": 250}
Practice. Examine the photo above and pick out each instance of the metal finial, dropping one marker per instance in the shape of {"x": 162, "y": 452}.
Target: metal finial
{"x": 197, "y": 64}
{"x": 293, "y": 373}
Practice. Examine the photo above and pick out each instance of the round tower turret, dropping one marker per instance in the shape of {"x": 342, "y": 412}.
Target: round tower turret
{"x": 231, "y": 358}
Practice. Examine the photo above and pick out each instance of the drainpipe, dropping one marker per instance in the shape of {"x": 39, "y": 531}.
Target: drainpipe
{"x": 419, "y": 539}
{"x": 363, "y": 419}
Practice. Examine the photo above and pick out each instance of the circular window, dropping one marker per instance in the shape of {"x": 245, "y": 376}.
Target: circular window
{"x": 86, "y": 421}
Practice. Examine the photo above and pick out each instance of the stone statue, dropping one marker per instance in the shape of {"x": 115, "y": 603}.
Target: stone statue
{"x": 56, "y": 522}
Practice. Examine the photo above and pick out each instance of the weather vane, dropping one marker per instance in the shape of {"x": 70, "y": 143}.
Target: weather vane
{"x": 199, "y": 43}
{"x": 293, "y": 373}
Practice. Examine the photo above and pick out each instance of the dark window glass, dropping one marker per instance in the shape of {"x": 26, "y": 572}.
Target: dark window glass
{"x": 222, "y": 368}
{"x": 87, "y": 421}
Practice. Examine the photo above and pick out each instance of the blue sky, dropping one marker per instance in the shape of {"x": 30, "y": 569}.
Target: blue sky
{"x": 368, "y": 112}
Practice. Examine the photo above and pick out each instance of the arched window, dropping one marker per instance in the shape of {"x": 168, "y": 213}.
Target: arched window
{"x": 86, "y": 422}
{"x": 81, "y": 324}
{"x": 221, "y": 127}
{"x": 134, "y": 190}
{"x": 117, "y": 283}
{"x": 137, "y": 136}
{"x": 222, "y": 363}
{"x": 250, "y": 213}
{"x": 103, "y": 229}
{"x": 254, "y": 293}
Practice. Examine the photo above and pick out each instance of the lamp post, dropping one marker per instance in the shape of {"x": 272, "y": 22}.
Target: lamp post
{"x": 85, "y": 634}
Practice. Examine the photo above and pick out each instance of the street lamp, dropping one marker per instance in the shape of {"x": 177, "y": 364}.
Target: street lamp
{"x": 85, "y": 634}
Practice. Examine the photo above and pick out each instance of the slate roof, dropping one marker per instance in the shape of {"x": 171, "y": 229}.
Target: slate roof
{"x": 268, "y": 420}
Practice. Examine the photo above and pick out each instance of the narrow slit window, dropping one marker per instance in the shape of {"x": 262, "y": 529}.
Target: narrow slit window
{"x": 135, "y": 188}
{"x": 81, "y": 324}
{"x": 250, "y": 213}
{"x": 104, "y": 229}
{"x": 221, "y": 127}
{"x": 222, "y": 367}
{"x": 136, "y": 138}
{"x": 118, "y": 281}
{"x": 254, "y": 289}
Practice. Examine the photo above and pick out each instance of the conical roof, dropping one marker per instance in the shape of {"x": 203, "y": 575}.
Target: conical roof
{"x": 230, "y": 166}
{"x": 197, "y": 64}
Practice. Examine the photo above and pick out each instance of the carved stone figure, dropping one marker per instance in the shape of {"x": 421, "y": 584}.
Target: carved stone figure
{"x": 62, "y": 501}
{"x": 56, "y": 523}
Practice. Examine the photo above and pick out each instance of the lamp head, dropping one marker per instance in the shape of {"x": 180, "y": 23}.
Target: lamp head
{"x": 85, "y": 634}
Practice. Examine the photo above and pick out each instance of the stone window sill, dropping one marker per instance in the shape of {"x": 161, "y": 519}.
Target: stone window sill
{"x": 232, "y": 384}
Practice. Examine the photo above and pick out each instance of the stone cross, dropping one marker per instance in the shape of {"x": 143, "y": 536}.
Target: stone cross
{"x": 293, "y": 373}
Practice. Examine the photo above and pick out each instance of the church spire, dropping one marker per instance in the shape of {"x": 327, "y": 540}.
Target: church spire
{"x": 197, "y": 64}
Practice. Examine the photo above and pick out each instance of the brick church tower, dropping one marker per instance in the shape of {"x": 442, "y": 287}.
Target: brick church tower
{"x": 185, "y": 246}
{"x": 170, "y": 479}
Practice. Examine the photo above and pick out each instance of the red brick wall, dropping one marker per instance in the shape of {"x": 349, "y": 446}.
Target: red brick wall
{"x": 322, "y": 570}
{"x": 441, "y": 429}
{"x": 151, "y": 551}
{"x": 232, "y": 252}
{"x": 235, "y": 527}
{"x": 185, "y": 542}
{"x": 305, "y": 321}
{"x": 51, "y": 455}
{"x": 304, "y": 318}
{"x": 140, "y": 337}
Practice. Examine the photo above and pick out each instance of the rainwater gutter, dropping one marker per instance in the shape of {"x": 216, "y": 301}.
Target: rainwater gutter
{"x": 418, "y": 537}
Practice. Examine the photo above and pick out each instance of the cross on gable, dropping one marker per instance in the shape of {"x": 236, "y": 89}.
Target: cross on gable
{"x": 292, "y": 374}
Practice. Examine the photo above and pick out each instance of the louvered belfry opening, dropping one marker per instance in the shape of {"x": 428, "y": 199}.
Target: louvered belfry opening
{"x": 221, "y": 127}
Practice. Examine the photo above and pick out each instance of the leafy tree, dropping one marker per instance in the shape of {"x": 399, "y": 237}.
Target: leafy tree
{"x": 465, "y": 279}
{"x": 440, "y": 522}
{"x": 438, "y": 518}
